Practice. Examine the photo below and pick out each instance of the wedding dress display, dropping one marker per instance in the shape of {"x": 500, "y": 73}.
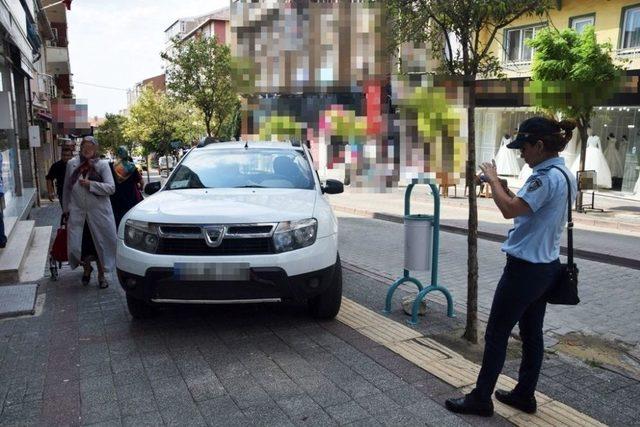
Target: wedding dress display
{"x": 613, "y": 157}
{"x": 595, "y": 160}
{"x": 507, "y": 159}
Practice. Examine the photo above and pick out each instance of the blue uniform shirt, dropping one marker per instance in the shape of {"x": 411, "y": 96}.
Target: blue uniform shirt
{"x": 535, "y": 237}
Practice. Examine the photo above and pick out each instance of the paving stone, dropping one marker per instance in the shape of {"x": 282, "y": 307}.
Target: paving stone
{"x": 348, "y": 412}
{"x": 267, "y": 415}
{"x": 282, "y": 389}
{"x": 22, "y": 413}
{"x": 367, "y": 422}
{"x": 136, "y": 398}
{"x": 398, "y": 418}
{"x": 148, "y": 419}
{"x": 96, "y": 413}
{"x": 429, "y": 411}
{"x": 405, "y": 395}
{"x": 246, "y": 392}
{"x": 177, "y": 413}
{"x": 322, "y": 390}
{"x": 377, "y": 404}
{"x": 222, "y": 411}
{"x": 170, "y": 390}
{"x": 204, "y": 388}
{"x": 298, "y": 408}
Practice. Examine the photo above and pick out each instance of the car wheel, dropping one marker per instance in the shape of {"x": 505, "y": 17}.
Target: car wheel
{"x": 327, "y": 304}
{"x": 139, "y": 309}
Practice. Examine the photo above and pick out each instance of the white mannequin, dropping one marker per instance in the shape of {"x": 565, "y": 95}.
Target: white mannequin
{"x": 612, "y": 154}
{"x": 595, "y": 160}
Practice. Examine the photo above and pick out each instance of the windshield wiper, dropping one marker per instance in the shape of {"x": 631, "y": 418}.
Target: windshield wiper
{"x": 250, "y": 186}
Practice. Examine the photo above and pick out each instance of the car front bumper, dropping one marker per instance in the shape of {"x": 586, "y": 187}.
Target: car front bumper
{"x": 294, "y": 275}
{"x": 159, "y": 285}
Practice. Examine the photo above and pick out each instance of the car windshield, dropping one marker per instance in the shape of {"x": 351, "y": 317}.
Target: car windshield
{"x": 243, "y": 168}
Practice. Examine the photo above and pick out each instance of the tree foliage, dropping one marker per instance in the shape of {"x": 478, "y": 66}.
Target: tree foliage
{"x": 461, "y": 35}
{"x": 156, "y": 120}
{"x": 572, "y": 73}
{"x": 111, "y": 133}
{"x": 199, "y": 72}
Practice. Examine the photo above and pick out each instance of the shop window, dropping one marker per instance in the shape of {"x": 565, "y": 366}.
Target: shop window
{"x": 516, "y": 46}
{"x": 631, "y": 28}
{"x": 579, "y": 23}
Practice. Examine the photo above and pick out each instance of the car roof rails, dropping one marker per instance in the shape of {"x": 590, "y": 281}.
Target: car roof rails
{"x": 206, "y": 141}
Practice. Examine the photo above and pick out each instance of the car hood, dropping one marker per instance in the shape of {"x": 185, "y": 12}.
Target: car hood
{"x": 225, "y": 206}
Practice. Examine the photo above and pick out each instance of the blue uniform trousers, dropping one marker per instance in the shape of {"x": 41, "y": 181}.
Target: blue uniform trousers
{"x": 519, "y": 298}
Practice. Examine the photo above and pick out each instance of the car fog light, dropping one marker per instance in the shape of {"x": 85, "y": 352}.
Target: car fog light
{"x": 131, "y": 283}
{"x": 314, "y": 283}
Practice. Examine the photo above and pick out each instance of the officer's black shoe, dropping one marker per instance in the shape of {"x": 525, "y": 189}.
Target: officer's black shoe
{"x": 471, "y": 405}
{"x": 525, "y": 404}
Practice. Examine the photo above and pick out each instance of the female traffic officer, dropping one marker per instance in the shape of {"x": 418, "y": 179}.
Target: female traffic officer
{"x": 532, "y": 247}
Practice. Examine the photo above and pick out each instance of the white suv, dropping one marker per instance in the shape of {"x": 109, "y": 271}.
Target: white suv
{"x": 235, "y": 222}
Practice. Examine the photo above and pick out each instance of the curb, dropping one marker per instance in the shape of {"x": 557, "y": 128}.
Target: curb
{"x": 577, "y": 219}
{"x": 493, "y": 237}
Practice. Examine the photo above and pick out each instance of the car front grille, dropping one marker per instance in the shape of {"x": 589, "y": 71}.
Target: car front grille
{"x": 239, "y": 239}
{"x": 256, "y": 246}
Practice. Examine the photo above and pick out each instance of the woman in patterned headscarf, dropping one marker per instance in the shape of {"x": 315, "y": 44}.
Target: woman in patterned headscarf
{"x": 128, "y": 185}
{"x": 90, "y": 225}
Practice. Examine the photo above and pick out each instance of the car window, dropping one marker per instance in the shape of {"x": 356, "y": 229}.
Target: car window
{"x": 236, "y": 168}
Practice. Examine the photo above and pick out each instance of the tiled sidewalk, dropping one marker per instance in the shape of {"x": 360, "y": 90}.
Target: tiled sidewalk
{"x": 83, "y": 362}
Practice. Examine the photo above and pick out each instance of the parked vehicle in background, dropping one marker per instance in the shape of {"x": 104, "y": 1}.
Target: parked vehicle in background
{"x": 234, "y": 223}
{"x": 166, "y": 164}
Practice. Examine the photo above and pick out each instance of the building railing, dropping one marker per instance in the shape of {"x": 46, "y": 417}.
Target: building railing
{"x": 632, "y": 52}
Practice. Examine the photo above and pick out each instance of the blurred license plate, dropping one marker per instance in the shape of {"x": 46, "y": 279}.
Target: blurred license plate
{"x": 211, "y": 271}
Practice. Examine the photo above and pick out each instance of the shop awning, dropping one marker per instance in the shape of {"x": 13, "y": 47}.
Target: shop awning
{"x": 45, "y": 116}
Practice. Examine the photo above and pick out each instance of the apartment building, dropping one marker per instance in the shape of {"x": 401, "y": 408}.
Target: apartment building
{"x": 317, "y": 62}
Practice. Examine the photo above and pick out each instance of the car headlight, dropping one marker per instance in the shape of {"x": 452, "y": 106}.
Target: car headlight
{"x": 292, "y": 235}
{"x": 141, "y": 236}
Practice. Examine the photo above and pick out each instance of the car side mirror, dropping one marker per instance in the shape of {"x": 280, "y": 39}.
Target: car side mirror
{"x": 152, "y": 187}
{"x": 332, "y": 186}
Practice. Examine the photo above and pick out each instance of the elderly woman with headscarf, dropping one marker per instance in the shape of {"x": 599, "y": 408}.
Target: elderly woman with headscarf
{"x": 128, "y": 185}
{"x": 90, "y": 225}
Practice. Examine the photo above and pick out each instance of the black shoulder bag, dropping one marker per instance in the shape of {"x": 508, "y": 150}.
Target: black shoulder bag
{"x": 565, "y": 291}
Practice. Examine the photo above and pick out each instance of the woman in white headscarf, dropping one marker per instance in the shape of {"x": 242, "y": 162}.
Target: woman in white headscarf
{"x": 90, "y": 224}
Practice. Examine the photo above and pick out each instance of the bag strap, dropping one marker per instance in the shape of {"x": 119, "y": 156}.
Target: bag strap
{"x": 569, "y": 219}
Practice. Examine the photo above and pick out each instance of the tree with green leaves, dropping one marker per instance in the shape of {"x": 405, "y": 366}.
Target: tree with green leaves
{"x": 111, "y": 133}
{"x": 199, "y": 72}
{"x": 461, "y": 34}
{"x": 572, "y": 73}
{"x": 156, "y": 120}
{"x": 152, "y": 121}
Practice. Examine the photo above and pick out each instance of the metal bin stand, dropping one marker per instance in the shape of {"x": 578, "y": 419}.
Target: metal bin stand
{"x": 420, "y": 253}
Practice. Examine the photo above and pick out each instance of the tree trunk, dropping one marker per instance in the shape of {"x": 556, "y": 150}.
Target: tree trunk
{"x": 207, "y": 123}
{"x": 471, "y": 330}
{"x": 582, "y": 124}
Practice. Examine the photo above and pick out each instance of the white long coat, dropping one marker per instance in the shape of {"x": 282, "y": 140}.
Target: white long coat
{"x": 94, "y": 206}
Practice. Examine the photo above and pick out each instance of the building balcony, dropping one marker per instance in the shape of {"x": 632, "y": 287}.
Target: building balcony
{"x": 58, "y": 60}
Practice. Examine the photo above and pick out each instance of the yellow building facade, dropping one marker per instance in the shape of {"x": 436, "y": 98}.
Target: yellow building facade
{"x": 615, "y": 21}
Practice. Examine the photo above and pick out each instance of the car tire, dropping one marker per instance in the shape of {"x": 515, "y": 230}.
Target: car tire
{"x": 327, "y": 304}
{"x": 139, "y": 309}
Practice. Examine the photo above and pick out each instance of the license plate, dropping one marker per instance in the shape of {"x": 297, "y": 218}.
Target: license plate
{"x": 211, "y": 271}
